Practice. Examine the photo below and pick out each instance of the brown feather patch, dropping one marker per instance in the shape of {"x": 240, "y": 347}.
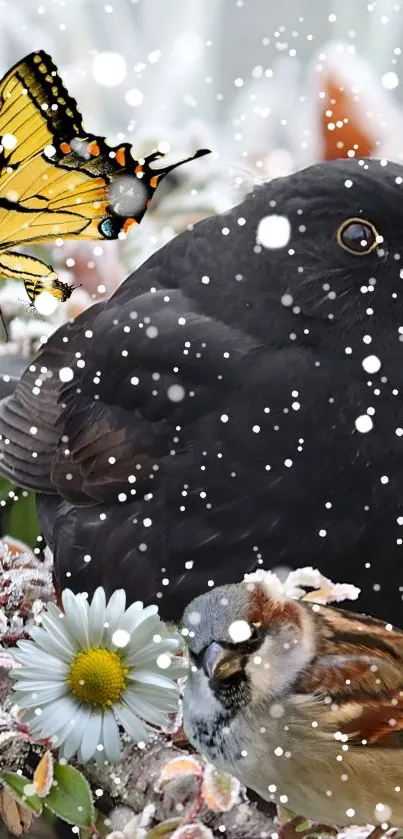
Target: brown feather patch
{"x": 267, "y": 610}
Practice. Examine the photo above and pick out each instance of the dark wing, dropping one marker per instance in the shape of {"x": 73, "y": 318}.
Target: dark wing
{"x": 109, "y": 390}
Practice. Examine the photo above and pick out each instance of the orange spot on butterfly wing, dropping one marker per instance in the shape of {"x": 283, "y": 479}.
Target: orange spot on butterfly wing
{"x": 154, "y": 181}
{"x": 65, "y": 148}
{"x": 120, "y": 157}
{"x": 94, "y": 149}
{"x": 128, "y": 224}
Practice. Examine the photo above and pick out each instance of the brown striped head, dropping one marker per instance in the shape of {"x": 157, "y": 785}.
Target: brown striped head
{"x": 248, "y": 636}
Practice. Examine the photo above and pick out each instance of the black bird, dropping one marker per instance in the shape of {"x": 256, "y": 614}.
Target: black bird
{"x": 238, "y": 401}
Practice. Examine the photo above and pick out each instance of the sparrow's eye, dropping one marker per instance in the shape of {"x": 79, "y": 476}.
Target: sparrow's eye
{"x": 358, "y": 236}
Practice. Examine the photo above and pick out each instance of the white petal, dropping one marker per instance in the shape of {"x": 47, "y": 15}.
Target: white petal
{"x": 48, "y": 674}
{"x": 164, "y": 700}
{"x": 24, "y": 646}
{"x": 34, "y": 657}
{"x": 96, "y": 618}
{"x": 131, "y": 723}
{"x": 110, "y": 736}
{"x": 40, "y": 662}
{"x": 73, "y": 740}
{"x": 176, "y": 670}
{"x": 28, "y": 716}
{"x": 146, "y": 677}
{"x": 91, "y": 736}
{"x": 51, "y": 644}
{"x": 76, "y": 616}
{"x": 143, "y": 709}
{"x": 149, "y": 652}
{"x": 57, "y": 628}
{"x": 64, "y": 732}
{"x": 33, "y": 698}
{"x": 52, "y": 609}
{"x": 150, "y": 610}
{"x": 30, "y": 648}
{"x": 56, "y": 715}
{"x": 114, "y": 609}
{"x": 130, "y": 618}
{"x": 41, "y": 685}
{"x": 143, "y": 633}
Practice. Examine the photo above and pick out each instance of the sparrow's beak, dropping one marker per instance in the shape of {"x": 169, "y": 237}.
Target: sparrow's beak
{"x": 219, "y": 663}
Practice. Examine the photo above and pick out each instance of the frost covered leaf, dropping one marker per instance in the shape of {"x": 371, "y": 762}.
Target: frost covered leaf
{"x": 70, "y": 797}
{"x": 325, "y": 591}
{"x": 13, "y": 734}
{"x": 22, "y": 790}
{"x": 179, "y": 767}
{"x": 220, "y": 790}
{"x": 16, "y": 817}
{"x": 7, "y": 662}
{"x": 16, "y": 547}
{"x": 3, "y": 623}
{"x": 43, "y": 775}
{"x": 193, "y": 831}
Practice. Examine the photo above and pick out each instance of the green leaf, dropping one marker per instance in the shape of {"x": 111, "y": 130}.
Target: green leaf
{"x": 164, "y": 829}
{"x": 5, "y": 487}
{"x": 17, "y": 784}
{"x": 70, "y": 797}
{"x": 20, "y": 518}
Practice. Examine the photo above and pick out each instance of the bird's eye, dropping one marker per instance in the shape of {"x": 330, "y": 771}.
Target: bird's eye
{"x": 358, "y": 236}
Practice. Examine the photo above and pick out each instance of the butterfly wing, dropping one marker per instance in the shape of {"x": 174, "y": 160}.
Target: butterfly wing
{"x": 56, "y": 181}
{"x": 37, "y": 276}
{"x": 35, "y": 107}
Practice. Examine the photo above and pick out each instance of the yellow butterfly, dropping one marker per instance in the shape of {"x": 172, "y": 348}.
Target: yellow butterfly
{"x": 58, "y": 181}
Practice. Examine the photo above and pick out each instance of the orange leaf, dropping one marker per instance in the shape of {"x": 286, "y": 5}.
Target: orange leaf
{"x": 179, "y": 767}
{"x": 220, "y": 791}
{"x": 340, "y": 112}
{"x": 43, "y": 775}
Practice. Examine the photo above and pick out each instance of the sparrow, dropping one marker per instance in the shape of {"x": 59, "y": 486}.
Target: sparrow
{"x": 301, "y": 702}
{"x": 236, "y": 402}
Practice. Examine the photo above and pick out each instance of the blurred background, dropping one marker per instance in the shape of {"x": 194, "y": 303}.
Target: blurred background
{"x": 269, "y": 87}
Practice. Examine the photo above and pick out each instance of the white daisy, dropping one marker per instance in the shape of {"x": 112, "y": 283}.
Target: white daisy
{"x": 93, "y": 668}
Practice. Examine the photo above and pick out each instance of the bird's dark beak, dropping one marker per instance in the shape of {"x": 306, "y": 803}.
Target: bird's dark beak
{"x": 219, "y": 663}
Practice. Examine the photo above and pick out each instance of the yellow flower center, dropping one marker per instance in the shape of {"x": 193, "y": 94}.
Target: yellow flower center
{"x": 97, "y": 676}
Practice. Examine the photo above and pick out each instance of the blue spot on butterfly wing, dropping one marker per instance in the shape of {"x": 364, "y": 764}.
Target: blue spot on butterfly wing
{"x": 110, "y": 227}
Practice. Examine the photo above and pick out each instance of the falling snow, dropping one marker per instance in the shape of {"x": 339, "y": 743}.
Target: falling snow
{"x": 273, "y": 232}
{"x": 239, "y": 631}
{"x": 109, "y": 68}
{"x": 364, "y": 423}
